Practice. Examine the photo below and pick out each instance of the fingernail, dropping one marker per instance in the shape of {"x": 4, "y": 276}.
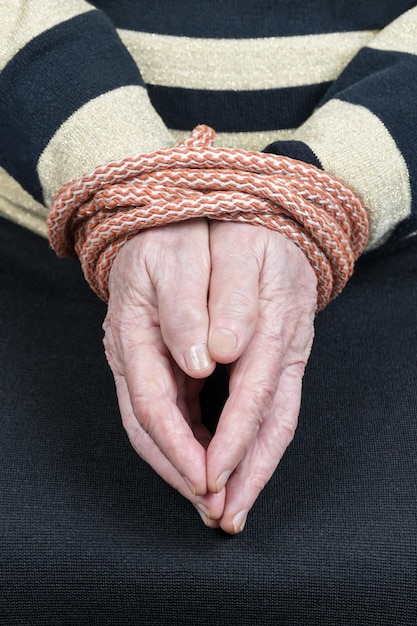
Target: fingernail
{"x": 198, "y": 357}
{"x": 223, "y": 340}
{"x": 222, "y": 480}
{"x": 204, "y": 518}
{"x": 203, "y": 510}
{"x": 239, "y": 521}
{"x": 204, "y": 514}
{"x": 208, "y": 521}
{"x": 190, "y": 485}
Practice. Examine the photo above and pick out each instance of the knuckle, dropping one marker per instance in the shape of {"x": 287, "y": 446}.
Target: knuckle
{"x": 111, "y": 352}
{"x": 241, "y": 444}
{"x": 108, "y": 346}
{"x": 189, "y": 317}
{"x": 259, "y": 402}
{"x": 288, "y": 428}
{"x": 237, "y": 305}
{"x": 107, "y": 323}
{"x": 259, "y": 480}
{"x": 138, "y": 440}
{"x": 151, "y": 416}
{"x": 142, "y": 413}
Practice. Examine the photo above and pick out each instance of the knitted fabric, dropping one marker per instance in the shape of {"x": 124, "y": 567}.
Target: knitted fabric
{"x": 94, "y": 216}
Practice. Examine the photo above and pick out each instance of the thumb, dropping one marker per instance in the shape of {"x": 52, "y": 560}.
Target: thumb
{"x": 180, "y": 273}
{"x": 234, "y": 289}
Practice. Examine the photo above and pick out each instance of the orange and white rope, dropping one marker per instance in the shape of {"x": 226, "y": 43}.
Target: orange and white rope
{"x": 93, "y": 216}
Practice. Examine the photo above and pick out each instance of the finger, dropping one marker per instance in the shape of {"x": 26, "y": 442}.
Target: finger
{"x": 266, "y": 451}
{"x": 282, "y": 338}
{"x": 253, "y": 386}
{"x": 210, "y": 506}
{"x": 153, "y": 398}
{"x": 234, "y": 287}
{"x": 181, "y": 279}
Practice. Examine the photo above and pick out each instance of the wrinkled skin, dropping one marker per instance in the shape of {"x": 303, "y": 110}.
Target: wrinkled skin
{"x": 171, "y": 289}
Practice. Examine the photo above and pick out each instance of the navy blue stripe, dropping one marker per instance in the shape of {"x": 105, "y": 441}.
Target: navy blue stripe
{"x": 385, "y": 83}
{"x": 296, "y": 150}
{"x": 402, "y": 233}
{"x": 251, "y": 18}
{"x": 49, "y": 79}
{"x": 235, "y": 111}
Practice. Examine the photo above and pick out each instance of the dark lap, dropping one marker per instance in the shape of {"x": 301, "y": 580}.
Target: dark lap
{"x": 90, "y": 535}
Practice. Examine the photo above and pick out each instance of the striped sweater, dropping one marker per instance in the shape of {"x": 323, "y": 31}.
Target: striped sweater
{"x": 331, "y": 82}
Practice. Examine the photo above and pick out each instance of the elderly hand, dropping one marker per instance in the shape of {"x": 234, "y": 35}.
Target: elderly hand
{"x": 262, "y": 298}
{"x": 156, "y": 344}
{"x": 261, "y": 307}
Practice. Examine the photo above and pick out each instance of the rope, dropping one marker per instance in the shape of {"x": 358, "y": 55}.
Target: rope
{"x": 93, "y": 216}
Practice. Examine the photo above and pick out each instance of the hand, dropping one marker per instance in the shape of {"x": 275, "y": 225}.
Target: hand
{"x": 156, "y": 343}
{"x": 265, "y": 297}
{"x": 261, "y": 308}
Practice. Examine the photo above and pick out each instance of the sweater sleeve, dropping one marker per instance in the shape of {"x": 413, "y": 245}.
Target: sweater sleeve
{"x": 71, "y": 99}
{"x": 364, "y": 130}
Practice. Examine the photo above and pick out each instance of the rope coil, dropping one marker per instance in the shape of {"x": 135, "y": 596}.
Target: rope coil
{"x": 93, "y": 216}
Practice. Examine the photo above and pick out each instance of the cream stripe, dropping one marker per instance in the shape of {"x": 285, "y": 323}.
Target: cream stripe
{"x": 246, "y": 141}
{"x": 354, "y": 145}
{"x": 22, "y": 20}
{"x": 400, "y": 35}
{"x": 19, "y": 206}
{"x": 112, "y": 126}
{"x": 242, "y": 64}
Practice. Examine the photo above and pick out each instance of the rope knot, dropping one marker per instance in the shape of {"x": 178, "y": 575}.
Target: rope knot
{"x": 202, "y": 136}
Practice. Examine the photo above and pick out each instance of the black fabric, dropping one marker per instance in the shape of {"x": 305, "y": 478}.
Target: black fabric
{"x": 246, "y": 18}
{"x": 232, "y": 111}
{"x": 296, "y": 150}
{"x": 90, "y": 535}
